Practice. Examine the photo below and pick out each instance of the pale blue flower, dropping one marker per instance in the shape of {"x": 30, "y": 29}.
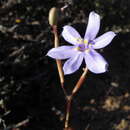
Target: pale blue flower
{"x": 83, "y": 48}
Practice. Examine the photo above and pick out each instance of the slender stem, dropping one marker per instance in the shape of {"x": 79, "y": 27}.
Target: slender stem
{"x": 64, "y": 91}
{"x": 68, "y": 108}
{"x": 69, "y": 98}
{"x": 58, "y": 62}
{"x": 80, "y": 81}
{"x": 61, "y": 74}
{"x": 56, "y": 40}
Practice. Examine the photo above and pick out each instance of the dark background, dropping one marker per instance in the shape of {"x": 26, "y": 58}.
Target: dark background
{"x": 29, "y": 83}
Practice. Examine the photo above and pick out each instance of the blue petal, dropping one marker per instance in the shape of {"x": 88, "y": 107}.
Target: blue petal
{"x": 62, "y": 52}
{"x": 95, "y": 62}
{"x": 70, "y": 35}
{"x": 103, "y": 40}
{"x": 73, "y": 64}
{"x": 93, "y": 26}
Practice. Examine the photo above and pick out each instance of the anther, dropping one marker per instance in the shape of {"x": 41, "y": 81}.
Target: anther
{"x": 85, "y": 41}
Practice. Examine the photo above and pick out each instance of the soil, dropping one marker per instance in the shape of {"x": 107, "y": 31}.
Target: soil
{"x": 31, "y": 97}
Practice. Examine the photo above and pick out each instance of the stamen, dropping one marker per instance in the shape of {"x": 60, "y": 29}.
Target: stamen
{"x": 85, "y": 41}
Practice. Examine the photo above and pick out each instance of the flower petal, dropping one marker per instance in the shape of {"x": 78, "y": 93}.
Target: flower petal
{"x": 70, "y": 34}
{"x": 73, "y": 64}
{"x": 95, "y": 62}
{"x": 103, "y": 40}
{"x": 93, "y": 26}
{"x": 62, "y": 52}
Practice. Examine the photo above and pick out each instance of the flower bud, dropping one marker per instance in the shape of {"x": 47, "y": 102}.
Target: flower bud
{"x": 53, "y": 16}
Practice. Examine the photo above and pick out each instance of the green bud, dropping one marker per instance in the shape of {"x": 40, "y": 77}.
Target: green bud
{"x": 53, "y": 16}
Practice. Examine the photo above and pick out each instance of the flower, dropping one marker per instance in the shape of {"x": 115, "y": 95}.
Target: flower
{"x": 83, "y": 48}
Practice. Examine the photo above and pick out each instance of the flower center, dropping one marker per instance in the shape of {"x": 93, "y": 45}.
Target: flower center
{"x": 83, "y": 45}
